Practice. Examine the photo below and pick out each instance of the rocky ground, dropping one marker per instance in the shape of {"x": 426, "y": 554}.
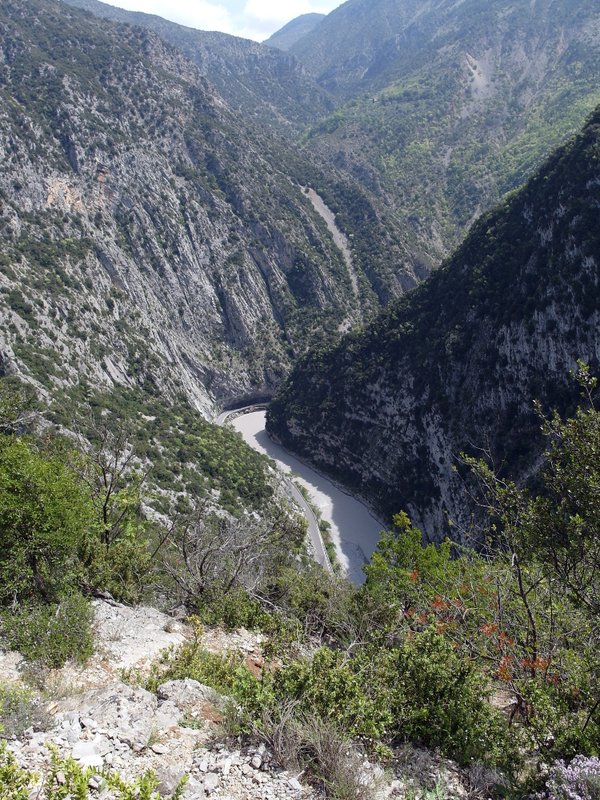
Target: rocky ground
{"x": 102, "y": 722}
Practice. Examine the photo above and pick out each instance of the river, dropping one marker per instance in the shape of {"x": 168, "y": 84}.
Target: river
{"x": 355, "y": 531}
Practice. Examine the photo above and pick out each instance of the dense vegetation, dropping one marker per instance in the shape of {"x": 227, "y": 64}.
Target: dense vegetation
{"x": 444, "y": 108}
{"x": 413, "y": 655}
{"x": 457, "y": 364}
{"x": 126, "y": 507}
{"x": 417, "y": 652}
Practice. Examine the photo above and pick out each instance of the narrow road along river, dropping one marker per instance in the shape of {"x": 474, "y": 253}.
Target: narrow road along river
{"x": 354, "y": 530}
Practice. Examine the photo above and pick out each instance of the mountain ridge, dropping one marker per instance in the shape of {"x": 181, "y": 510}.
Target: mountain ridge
{"x": 434, "y": 109}
{"x": 296, "y": 29}
{"x": 457, "y": 364}
{"x": 442, "y": 108}
{"x": 149, "y": 235}
{"x": 264, "y": 83}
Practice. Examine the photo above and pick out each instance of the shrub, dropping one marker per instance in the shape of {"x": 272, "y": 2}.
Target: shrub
{"x": 304, "y": 742}
{"x": 45, "y": 511}
{"x": 441, "y": 700}
{"x": 20, "y": 709}
{"x": 329, "y": 687}
{"x": 233, "y": 609}
{"x": 579, "y": 780}
{"x": 226, "y": 674}
{"x": 17, "y": 783}
{"x": 125, "y": 569}
{"x": 51, "y": 634}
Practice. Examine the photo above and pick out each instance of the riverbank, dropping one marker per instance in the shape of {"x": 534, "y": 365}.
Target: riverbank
{"x": 354, "y": 530}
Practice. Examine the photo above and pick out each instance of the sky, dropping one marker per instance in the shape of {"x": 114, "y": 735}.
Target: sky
{"x": 252, "y": 19}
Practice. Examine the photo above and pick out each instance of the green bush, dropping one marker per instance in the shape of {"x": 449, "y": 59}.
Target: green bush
{"x": 441, "y": 700}
{"x": 125, "y": 569}
{"x": 226, "y": 674}
{"x": 331, "y": 687}
{"x": 50, "y": 634}
{"x": 17, "y": 783}
{"x": 45, "y": 512}
{"x": 233, "y": 609}
{"x": 20, "y": 709}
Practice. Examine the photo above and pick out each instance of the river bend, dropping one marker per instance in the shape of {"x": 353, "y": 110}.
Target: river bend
{"x": 355, "y": 531}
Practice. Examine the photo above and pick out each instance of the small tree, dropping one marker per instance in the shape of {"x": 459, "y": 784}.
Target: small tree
{"x": 45, "y": 514}
{"x": 546, "y": 553}
{"x": 18, "y": 406}
{"x": 210, "y": 554}
{"x": 115, "y": 483}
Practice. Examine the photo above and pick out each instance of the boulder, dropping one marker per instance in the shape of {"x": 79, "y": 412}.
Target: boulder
{"x": 187, "y": 694}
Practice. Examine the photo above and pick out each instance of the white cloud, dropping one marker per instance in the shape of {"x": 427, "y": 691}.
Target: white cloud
{"x": 269, "y": 15}
{"x": 258, "y": 19}
{"x": 197, "y": 14}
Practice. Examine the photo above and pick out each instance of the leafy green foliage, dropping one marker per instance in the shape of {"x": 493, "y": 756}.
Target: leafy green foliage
{"x": 171, "y": 445}
{"x": 17, "y": 783}
{"x": 50, "y": 633}
{"x": 45, "y": 513}
{"x": 442, "y": 700}
{"x": 333, "y": 688}
{"x": 227, "y": 674}
{"x": 562, "y": 523}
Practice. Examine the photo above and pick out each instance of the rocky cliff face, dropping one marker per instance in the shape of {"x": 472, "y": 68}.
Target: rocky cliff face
{"x": 456, "y": 366}
{"x": 148, "y": 235}
{"x": 440, "y": 109}
{"x": 266, "y": 85}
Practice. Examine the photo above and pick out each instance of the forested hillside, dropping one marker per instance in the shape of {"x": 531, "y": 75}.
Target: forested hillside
{"x": 444, "y": 107}
{"x": 263, "y": 83}
{"x": 458, "y": 363}
{"x": 435, "y": 110}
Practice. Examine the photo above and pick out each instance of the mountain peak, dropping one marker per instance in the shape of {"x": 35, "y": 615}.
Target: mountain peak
{"x": 298, "y": 28}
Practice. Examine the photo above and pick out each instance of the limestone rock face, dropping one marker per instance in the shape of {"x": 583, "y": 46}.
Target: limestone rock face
{"x": 186, "y": 694}
{"x": 151, "y": 237}
{"x": 456, "y": 366}
{"x": 264, "y": 84}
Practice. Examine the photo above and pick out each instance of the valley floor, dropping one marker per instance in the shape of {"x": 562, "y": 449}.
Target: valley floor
{"x": 355, "y": 531}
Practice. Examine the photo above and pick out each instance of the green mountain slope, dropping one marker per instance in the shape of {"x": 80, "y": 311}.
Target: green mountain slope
{"x": 441, "y": 109}
{"x": 446, "y": 106}
{"x": 343, "y": 49}
{"x": 149, "y": 236}
{"x": 290, "y": 34}
{"x": 457, "y": 364}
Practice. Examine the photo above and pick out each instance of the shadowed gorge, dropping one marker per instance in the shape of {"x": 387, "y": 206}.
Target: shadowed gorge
{"x": 258, "y": 302}
{"x": 457, "y": 364}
